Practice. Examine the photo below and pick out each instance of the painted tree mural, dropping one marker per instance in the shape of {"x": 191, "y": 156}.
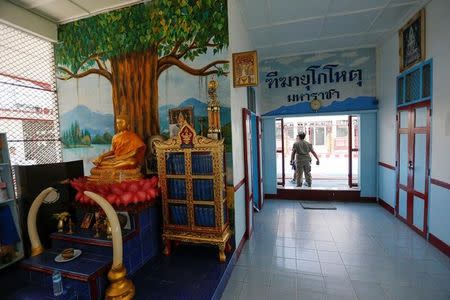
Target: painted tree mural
{"x": 141, "y": 42}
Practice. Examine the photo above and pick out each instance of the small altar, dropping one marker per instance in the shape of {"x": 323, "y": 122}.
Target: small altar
{"x": 87, "y": 274}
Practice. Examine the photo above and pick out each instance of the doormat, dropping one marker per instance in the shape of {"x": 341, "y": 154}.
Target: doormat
{"x": 317, "y": 205}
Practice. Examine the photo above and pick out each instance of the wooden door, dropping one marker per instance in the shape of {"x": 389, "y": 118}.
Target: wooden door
{"x": 248, "y": 170}
{"x": 260, "y": 178}
{"x": 413, "y": 150}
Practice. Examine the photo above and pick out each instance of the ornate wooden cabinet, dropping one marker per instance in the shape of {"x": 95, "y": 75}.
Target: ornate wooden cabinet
{"x": 192, "y": 178}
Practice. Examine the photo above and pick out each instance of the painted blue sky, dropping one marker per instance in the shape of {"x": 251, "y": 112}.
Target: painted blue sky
{"x": 175, "y": 86}
{"x": 363, "y": 59}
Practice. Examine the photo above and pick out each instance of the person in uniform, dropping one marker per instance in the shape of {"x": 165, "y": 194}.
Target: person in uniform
{"x": 302, "y": 149}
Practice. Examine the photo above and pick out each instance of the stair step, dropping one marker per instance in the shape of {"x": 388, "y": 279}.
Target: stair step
{"x": 86, "y": 237}
{"x": 87, "y": 273}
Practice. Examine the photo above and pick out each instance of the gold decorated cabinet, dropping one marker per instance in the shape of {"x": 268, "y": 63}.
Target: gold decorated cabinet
{"x": 192, "y": 179}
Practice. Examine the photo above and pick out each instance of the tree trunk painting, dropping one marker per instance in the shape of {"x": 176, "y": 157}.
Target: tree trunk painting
{"x": 135, "y": 90}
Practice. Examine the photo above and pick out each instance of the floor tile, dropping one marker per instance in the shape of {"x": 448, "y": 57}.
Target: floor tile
{"x": 333, "y": 270}
{"x": 332, "y": 257}
{"x": 253, "y": 292}
{"x": 286, "y": 252}
{"x": 368, "y": 291}
{"x": 309, "y": 267}
{"x": 358, "y": 251}
{"x": 314, "y": 283}
{"x": 307, "y": 254}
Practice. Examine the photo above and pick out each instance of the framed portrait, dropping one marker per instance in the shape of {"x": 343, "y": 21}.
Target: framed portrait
{"x": 412, "y": 41}
{"x": 178, "y": 117}
{"x": 245, "y": 69}
{"x": 87, "y": 220}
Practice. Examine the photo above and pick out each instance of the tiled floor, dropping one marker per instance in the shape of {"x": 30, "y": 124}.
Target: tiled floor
{"x": 340, "y": 184}
{"x": 358, "y": 251}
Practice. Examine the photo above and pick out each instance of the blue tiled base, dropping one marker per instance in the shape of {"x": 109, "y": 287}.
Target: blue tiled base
{"x": 44, "y": 293}
{"x": 86, "y": 274}
{"x": 146, "y": 244}
{"x": 190, "y": 272}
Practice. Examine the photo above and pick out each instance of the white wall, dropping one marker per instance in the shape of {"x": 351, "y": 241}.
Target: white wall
{"x": 239, "y": 42}
{"x": 20, "y": 18}
{"x": 387, "y": 71}
{"x": 437, "y": 48}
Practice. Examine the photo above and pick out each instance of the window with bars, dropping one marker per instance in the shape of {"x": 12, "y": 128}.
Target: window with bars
{"x": 414, "y": 85}
{"x": 28, "y": 101}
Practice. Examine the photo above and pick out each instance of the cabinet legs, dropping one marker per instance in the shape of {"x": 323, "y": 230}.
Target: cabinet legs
{"x": 222, "y": 256}
{"x": 167, "y": 247}
{"x": 228, "y": 247}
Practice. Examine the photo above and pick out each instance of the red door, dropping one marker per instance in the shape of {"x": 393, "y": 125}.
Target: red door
{"x": 413, "y": 149}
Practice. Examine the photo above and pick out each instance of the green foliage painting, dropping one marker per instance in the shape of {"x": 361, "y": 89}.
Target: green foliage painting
{"x": 76, "y": 137}
{"x": 140, "y": 42}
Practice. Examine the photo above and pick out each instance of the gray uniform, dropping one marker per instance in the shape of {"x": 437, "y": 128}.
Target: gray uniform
{"x": 302, "y": 149}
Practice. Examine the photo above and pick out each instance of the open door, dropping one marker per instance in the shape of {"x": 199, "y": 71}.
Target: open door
{"x": 353, "y": 150}
{"x": 413, "y": 150}
{"x": 279, "y": 132}
{"x": 260, "y": 178}
{"x": 248, "y": 170}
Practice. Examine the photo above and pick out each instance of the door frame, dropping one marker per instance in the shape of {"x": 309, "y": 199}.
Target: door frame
{"x": 260, "y": 178}
{"x": 351, "y": 149}
{"x": 283, "y": 171}
{"x": 411, "y": 131}
{"x": 246, "y": 115}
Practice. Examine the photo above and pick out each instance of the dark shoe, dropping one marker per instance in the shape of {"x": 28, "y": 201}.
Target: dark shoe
{"x": 307, "y": 184}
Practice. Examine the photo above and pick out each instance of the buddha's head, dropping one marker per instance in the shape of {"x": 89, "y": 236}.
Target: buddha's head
{"x": 121, "y": 123}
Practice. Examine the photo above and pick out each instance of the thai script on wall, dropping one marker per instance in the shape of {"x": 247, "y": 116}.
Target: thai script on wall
{"x": 334, "y": 76}
{"x": 314, "y": 75}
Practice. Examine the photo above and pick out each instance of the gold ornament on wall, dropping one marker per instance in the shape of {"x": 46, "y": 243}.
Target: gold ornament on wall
{"x": 214, "y": 131}
{"x": 245, "y": 69}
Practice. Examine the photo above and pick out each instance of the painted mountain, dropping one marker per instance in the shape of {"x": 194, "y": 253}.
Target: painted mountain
{"x": 349, "y": 104}
{"x": 200, "y": 110}
{"x": 82, "y": 127}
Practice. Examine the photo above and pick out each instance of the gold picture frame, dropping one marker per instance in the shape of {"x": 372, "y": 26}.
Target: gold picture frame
{"x": 412, "y": 41}
{"x": 245, "y": 69}
{"x": 178, "y": 117}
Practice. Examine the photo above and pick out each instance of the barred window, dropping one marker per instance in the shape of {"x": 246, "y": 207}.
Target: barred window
{"x": 28, "y": 102}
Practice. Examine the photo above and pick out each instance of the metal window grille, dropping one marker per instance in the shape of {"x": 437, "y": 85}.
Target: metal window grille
{"x": 412, "y": 86}
{"x": 28, "y": 101}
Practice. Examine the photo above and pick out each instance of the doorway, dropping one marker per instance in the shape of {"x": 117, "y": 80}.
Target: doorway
{"x": 335, "y": 139}
{"x": 413, "y": 152}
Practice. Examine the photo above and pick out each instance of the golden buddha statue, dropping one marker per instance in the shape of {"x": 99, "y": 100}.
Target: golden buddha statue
{"x": 124, "y": 159}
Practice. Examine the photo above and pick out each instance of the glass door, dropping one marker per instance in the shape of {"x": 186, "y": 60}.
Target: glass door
{"x": 279, "y": 136}
{"x": 353, "y": 151}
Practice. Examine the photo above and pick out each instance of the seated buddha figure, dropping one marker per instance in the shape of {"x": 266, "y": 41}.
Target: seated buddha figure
{"x": 124, "y": 159}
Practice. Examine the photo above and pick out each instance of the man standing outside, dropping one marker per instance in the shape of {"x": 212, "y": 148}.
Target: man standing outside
{"x": 302, "y": 148}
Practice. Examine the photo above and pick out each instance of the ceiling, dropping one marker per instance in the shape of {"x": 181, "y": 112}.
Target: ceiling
{"x": 288, "y": 27}
{"x": 63, "y": 11}
{"x": 278, "y": 27}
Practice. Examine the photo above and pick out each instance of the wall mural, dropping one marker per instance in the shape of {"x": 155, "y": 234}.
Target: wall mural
{"x": 342, "y": 81}
{"x": 123, "y": 60}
